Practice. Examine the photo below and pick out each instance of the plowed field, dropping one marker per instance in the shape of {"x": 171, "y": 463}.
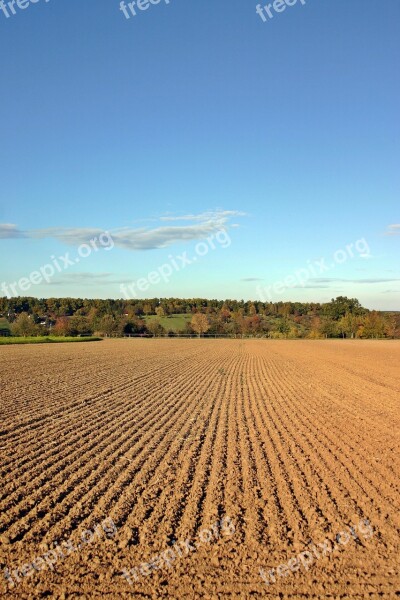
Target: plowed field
{"x": 293, "y": 441}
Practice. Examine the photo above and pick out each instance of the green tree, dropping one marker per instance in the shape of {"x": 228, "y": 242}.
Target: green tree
{"x": 338, "y": 307}
{"x": 147, "y": 309}
{"x": 154, "y": 326}
{"x": 284, "y": 326}
{"x": 24, "y": 326}
{"x": 79, "y": 326}
{"x": 108, "y": 325}
{"x": 328, "y": 327}
{"x": 373, "y": 325}
{"x": 348, "y": 325}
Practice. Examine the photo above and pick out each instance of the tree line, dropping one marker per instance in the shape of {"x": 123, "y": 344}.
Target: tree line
{"x": 341, "y": 317}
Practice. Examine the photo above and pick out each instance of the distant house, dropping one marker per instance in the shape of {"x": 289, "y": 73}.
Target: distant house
{"x": 45, "y": 320}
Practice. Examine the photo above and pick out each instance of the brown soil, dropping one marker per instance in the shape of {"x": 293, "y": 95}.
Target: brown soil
{"x": 294, "y": 441}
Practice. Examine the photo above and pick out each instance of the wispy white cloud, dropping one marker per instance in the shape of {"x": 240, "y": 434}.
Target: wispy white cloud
{"x": 85, "y": 279}
{"x": 211, "y": 215}
{"x": 313, "y": 286}
{"x": 367, "y": 280}
{"x": 393, "y": 229}
{"x": 10, "y": 231}
{"x": 195, "y": 227}
{"x": 86, "y": 276}
{"x": 73, "y": 236}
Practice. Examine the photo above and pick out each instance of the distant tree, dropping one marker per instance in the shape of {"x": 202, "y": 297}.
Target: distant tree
{"x": 154, "y": 326}
{"x": 315, "y": 331}
{"x": 348, "y": 325}
{"x": 373, "y": 325}
{"x": 200, "y": 324}
{"x": 108, "y": 325}
{"x": 285, "y": 309}
{"x": 284, "y": 326}
{"x": 24, "y": 326}
{"x": 92, "y": 316}
{"x": 130, "y": 325}
{"x": 237, "y": 324}
{"x": 79, "y": 326}
{"x": 216, "y": 324}
{"x": 328, "y": 327}
{"x": 338, "y": 307}
{"x": 252, "y": 310}
{"x": 393, "y": 326}
{"x": 138, "y": 310}
{"x": 224, "y": 314}
{"x": 147, "y": 309}
{"x": 160, "y": 312}
{"x": 232, "y": 317}
{"x": 62, "y": 327}
{"x": 254, "y": 325}
{"x": 342, "y": 327}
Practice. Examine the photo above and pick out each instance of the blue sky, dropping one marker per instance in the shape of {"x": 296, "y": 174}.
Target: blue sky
{"x": 197, "y": 116}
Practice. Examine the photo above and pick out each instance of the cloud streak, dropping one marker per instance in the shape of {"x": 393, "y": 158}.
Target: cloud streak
{"x": 8, "y": 231}
{"x": 393, "y": 229}
{"x": 337, "y": 280}
{"x": 68, "y": 279}
{"x": 205, "y": 216}
{"x": 252, "y": 279}
{"x": 195, "y": 227}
